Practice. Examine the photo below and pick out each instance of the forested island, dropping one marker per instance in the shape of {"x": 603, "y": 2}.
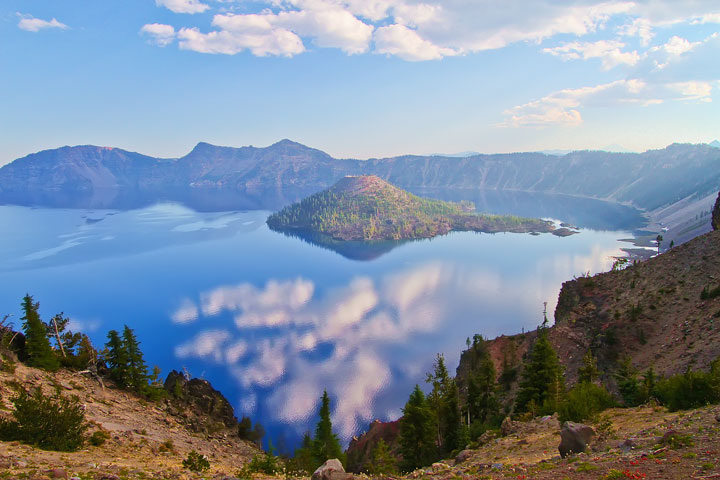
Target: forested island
{"x": 369, "y": 208}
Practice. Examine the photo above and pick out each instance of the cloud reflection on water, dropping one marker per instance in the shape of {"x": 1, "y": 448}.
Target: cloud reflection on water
{"x": 291, "y": 340}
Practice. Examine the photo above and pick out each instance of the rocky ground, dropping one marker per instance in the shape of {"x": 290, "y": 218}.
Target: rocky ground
{"x": 146, "y": 440}
{"x": 643, "y": 442}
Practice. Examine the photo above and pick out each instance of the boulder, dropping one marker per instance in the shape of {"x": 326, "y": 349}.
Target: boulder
{"x": 716, "y": 214}
{"x": 463, "y": 456}
{"x": 574, "y": 438}
{"x": 331, "y": 470}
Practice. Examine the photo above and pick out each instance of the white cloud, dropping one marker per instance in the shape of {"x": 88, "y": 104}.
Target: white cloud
{"x": 608, "y": 51}
{"x": 207, "y": 344}
{"x": 407, "y": 44}
{"x": 420, "y": 30}
{"x": 187, "y": 312}
{"x": 276, "y": 41}
{"x": 562, "y": 107}
{"x": 32, "y": 24}
{"x": 183, "y": 6}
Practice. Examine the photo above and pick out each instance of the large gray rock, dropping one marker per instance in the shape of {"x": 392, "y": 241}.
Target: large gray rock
{"x": 331, "y": 470}
{"x": 574, "y": 438}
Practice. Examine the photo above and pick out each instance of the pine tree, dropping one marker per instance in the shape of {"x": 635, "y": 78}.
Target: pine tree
{"x": 627, "y": 383}
{"x": 326, "y": 444}
{"x": 116, "y": 358}
{"x": 37, "y": 346}
{"x": 482, "y": 387}
{"x": 382, "y": 461}
{"x": 137, "y": 371}
{"x": 542, "y": 378}
{"x": 440, "y": 380}
{"x": 450, "y": 413}
{"x": 588, "y": 372}
{"x": 417, "y": 432}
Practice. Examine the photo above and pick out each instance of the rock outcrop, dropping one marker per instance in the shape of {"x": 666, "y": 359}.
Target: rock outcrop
{"x": 574, "y": 438}
{"x": 359, "y": 452}
{"x": 716, "y": 214}
{"x": 204, "y": 408}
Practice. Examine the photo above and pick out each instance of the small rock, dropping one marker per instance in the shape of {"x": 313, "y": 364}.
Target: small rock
{"x": 627, "y": 445}
{"x": 56, "y": 473}
{"x": 21, "y": 464}
{"x": 66, "y": 386}
{"x": 574, "y": 438}
{"x": 463, "y": 456}
{"x": 331, "y": 470}
{"x": 106, "y": 476}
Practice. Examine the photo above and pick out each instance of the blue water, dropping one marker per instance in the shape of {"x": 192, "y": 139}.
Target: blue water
{"x": 272, "y": 320}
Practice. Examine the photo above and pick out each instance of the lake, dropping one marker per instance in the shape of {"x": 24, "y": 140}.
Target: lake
{"x": 272, "y": 320}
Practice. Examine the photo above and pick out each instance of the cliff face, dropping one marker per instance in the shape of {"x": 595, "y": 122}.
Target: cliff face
{"x": 360, "y": 450}
{"x": 716, "y": 214}
{"x": 652, "y": 312}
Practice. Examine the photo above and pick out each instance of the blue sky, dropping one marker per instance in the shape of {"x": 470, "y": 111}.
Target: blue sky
{"x": 358, "y": 78}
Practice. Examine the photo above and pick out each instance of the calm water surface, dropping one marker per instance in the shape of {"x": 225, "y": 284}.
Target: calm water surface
{"x": 271, "y": 320}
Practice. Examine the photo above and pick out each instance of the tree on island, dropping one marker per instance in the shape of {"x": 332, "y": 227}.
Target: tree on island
{"x": 37, "y": 346}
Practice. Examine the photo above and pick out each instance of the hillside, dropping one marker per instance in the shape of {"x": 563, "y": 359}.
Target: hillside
{"x": 139, "y": 433}
{"x": 369, "y": 208}
{"x": 287, "y": 171}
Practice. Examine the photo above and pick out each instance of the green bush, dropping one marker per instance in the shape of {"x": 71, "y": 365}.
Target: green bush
{"x": 196, "y": 462}
{"x": 583, "y": 401}
{"x": 691, "y": 389}
{"x": 267, "y": 464}
{"x": 50, "y": 423}
{"x": 98, "y": 438}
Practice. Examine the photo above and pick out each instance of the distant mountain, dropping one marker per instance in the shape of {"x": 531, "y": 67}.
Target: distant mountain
{"x": 715, "y": 143}
{"x": 287, "y": 171}
{"x": 368, "y": 208}
{"x": 455, "y": 155}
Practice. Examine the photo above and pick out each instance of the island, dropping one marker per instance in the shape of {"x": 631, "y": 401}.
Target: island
{"x": 367, "y": 208}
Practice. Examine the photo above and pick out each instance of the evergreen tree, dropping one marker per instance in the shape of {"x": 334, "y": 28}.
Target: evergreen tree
{"x": 326, "y": 444}
{"x": 542, "y": 381}
{"x": 37, "y": 346}
{"x": 450, "y": 413}
{"x": 627, "y": 383}
{"x": 417, "y": 432}
{"x": 116, "y": 358}
{"x": 382, "y": 461}
{"x": 588, "y": 372}
{"x": 137, "y": 371}
{"x": 482, "y": 399}
{"x": 440, "y": 380}
{"x": 303, "y": 460}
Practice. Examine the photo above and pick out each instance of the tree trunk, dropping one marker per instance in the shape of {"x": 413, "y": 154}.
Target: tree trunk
{"x": 57, "y": 335}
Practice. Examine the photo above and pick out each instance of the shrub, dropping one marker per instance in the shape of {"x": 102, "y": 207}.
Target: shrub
{"x": 583, "y": 401}
{"x": 167, "y": 446}
{"x": 196, "y": 462}
{"x": 48, "y": 422}
{"x": 267, "y": 464}
{"x": 691, "y": 389}
{"x": 98, "y": 438}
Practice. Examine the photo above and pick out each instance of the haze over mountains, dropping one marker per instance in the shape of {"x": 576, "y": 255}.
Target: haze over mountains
{"x": 287, "y": 171}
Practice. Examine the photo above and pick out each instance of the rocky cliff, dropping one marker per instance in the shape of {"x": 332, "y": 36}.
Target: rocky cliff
{"x": 716, "y": 214}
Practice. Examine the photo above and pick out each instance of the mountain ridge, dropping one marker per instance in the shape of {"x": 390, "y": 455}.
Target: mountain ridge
{"x": 291, "y": 170}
